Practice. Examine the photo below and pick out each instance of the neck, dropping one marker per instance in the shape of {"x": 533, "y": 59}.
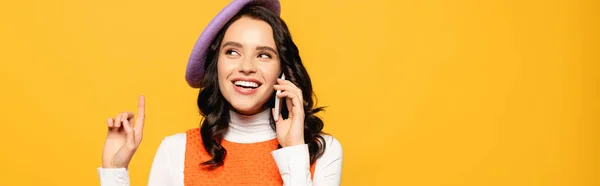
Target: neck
{"x": 249, "y": 128}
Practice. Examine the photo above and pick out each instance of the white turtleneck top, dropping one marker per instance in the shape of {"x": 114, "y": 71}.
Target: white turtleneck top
{"x": 293, "y": 161}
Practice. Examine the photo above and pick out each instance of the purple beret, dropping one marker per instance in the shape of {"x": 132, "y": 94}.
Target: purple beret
{"x": 195, "y": 66}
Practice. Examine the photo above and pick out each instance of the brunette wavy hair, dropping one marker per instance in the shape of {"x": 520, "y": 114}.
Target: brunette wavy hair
{"x": 215, "y": 108}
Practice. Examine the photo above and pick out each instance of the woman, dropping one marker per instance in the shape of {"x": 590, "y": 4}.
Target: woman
{"x": 236, "y": 63}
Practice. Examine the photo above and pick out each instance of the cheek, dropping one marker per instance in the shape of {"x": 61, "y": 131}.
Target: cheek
{"x": 271, "y": 72}
{"x": 224, "y": 69}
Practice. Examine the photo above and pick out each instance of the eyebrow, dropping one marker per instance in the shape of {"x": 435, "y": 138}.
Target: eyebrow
{"x": 235, "y": 44}
{"x": 239, "y": 45}
{"x": 266, "y": 48}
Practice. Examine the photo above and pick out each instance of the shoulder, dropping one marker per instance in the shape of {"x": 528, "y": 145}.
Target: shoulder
{"x": 177, "y": 142}
{"x": 333, "y": 147}
{"x": 175, "y": 138}
{"x": 332, "y": 156}
{"x": 174, "y": 142}
{"x": 181, "y": 138}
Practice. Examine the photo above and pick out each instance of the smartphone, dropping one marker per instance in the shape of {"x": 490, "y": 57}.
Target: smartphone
{"x": 278, "y": 102}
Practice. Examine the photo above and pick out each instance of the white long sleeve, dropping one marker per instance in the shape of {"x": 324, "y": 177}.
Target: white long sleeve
{"x": 160, "y": 173}
{"x": 113, "y": 177}
{"x": 167, "y": 168}
{"x": 328, "y": 168}
{"x": 294, "y": 164}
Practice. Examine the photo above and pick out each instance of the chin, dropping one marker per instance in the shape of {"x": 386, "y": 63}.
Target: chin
{"x": 246, "y": 109}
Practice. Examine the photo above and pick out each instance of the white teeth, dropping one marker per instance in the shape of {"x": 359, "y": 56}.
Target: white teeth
{"x": 246, "y": 84}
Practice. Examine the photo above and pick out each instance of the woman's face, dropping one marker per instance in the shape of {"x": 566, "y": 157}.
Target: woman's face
{"x": 248, "y": 65}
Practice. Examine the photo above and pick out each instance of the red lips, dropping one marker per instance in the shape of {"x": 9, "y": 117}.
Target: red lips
{"x": 244, "y": 90}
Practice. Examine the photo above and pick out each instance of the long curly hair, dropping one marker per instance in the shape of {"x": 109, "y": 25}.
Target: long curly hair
{"x": 215, "y": 108}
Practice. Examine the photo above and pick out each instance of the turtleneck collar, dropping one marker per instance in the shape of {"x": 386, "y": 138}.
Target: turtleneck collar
{"x": 249, "y": 128}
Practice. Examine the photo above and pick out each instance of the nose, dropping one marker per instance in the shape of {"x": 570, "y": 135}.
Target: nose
{"x": 247, "y": 66}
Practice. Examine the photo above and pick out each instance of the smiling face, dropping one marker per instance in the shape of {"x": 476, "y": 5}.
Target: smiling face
{"x": 248, "y": 65}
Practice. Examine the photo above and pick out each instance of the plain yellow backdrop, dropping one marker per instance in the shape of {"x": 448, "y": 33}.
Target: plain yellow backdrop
{"x": 431, "y": 92}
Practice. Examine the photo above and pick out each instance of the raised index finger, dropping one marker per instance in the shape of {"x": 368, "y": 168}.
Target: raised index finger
{"x": 139, "y": 123}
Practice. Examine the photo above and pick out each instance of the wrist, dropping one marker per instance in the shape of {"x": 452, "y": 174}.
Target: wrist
{"x": 110, "y": 165}
{"x": 293, "y": 143}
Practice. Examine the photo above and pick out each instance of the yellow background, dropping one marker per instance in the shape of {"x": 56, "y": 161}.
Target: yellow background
{"x": 428, "y": 92}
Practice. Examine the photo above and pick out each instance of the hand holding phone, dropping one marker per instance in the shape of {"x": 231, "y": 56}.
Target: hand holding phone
{"x": 289, "y": 126}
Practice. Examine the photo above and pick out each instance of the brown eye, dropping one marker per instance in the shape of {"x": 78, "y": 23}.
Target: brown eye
{"x": 232, "y": 52}
{"x": 264, "y": 56}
